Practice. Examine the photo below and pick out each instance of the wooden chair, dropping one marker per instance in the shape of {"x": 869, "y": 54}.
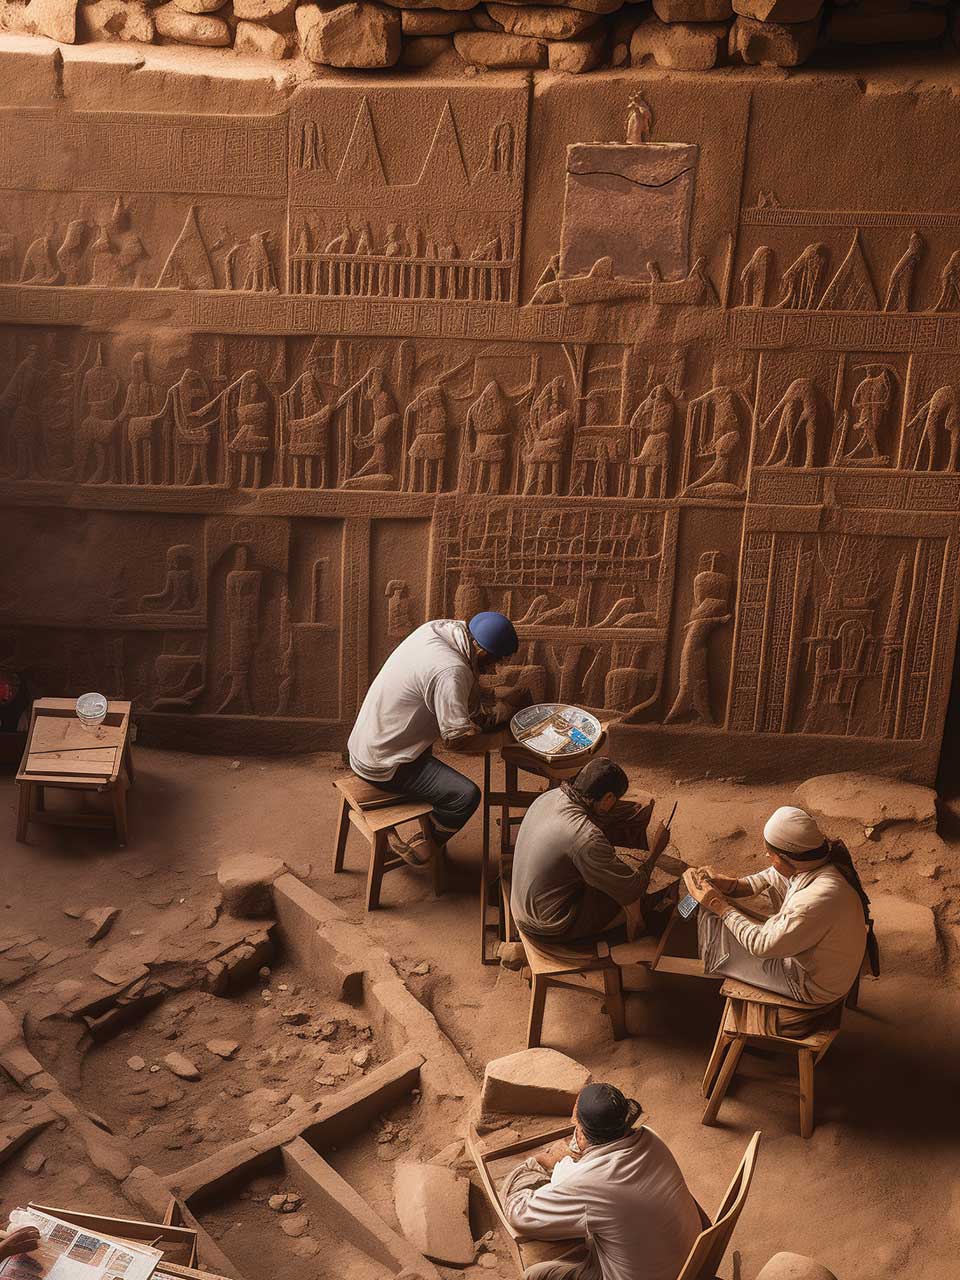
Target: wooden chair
{"x": 375, "y": 813}
{"x": 513, "y": 804}
{"x": 706, "y": 1252}
{"x": 750, "y": 1017}
{"x": 64, "y": 754}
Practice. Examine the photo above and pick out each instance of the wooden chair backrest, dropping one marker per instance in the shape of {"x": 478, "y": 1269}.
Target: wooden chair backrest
{"x": 710, "y": 1245}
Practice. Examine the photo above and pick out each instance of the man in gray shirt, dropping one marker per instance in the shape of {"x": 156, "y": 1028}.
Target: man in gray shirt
{"x": 567, "y": 881}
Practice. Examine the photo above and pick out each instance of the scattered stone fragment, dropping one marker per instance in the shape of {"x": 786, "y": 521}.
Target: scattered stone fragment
{"x": 264, "y": 971}
{"x": 189, "y": 28}
{"x": 296, "y": 1017}
{"x": 685, "y": 46}
{"x": 74, "y": 912}
{"x": 181, "y": 1066}
{"x": 223, "y": 1048}
{"x": 101, "y": 922}
{"x": 488, "y": 1260}
{"x": 277, "y": 1202}
{"x": 294, "y": 1224}
{"x": 432, "y": 1205}
{"x": 532, "y": 1081}
{"x": 135, "y": 1063}
{"x": 306, "y": 1247}
{"x": 327, "y": 1030}
{"x": 361, "y": 1057}
{"x": 296, "y": 1101}
{"x": 260, "y": 41}
{"x": 33, "y": 1162}
{"x": 354, "y": 35}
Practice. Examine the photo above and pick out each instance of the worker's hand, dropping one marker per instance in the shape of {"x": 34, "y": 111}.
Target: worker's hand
{"x": 23, "y": 1240}
{"x": 726, "y": 884}
{"x": 704, "y": 891}
{"x": 556, "y": 1152}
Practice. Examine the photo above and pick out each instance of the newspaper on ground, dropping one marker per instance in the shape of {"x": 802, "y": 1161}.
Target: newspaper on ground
{"x": 67, "y": 1252}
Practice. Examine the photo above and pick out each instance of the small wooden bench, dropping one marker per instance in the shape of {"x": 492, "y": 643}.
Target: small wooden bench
{"x": 750, "y": 1017}
{"x": 64, "y": 754}
{"x": 375, "y": 813}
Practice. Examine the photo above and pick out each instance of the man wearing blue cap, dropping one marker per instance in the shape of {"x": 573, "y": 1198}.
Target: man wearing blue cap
{"x": 428, "y": 689}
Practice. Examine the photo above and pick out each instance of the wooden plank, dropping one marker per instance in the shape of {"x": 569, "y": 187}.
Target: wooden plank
{"x": 54, "y": 733}
{"x": 72, "y": 767}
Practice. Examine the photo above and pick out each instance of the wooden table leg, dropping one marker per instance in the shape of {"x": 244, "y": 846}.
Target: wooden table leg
{"x": 378, "y": 853}
{"x": 23, "y": 810}
{"x": 616, "y": 1009}
{"x": 128, "y": 762}
{"x": 120, "y": 811}
{"x": 805, "y": 1068}
{"x": 343, "y": 830}
{"x": 40, "y": 799}
{"x": 485, "y": 860}
{"x": 538, "y": 999}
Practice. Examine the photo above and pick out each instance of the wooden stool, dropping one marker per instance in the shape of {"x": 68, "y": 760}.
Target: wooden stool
{"x": 375, "y": 813}
{"x": 750, "y": 1017}
{"x": 63, "y": 753}
{"x": 513, "y": 804}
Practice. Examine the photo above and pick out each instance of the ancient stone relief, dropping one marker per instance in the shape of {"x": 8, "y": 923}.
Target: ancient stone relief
{"x": 330, "y": 376}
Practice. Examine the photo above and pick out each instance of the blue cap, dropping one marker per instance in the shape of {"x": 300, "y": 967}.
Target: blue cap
{"x": 495, "y": 633}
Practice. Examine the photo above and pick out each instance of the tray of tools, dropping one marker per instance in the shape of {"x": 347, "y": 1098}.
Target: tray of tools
{"x": 556, "y": 731}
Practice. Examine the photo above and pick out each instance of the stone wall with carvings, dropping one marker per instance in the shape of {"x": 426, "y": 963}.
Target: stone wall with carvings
{"x": 666, "y": 368}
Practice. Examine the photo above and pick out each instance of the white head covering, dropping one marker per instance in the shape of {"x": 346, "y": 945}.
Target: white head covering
{"x": 792, "y": 831}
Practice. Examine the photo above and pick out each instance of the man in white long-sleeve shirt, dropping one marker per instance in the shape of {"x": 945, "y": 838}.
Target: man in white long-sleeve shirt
{"x": 809, "y": 943}
{"x": 616, "y": 1185}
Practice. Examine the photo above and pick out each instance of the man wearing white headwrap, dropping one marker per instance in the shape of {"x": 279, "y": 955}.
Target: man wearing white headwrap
{"x": 807, "y": 941}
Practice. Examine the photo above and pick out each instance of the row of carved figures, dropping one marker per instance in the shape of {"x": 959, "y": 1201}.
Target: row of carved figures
{"x": 804, "y": 285}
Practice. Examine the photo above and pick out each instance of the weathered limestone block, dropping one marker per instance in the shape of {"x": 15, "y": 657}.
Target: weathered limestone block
{"x": 116, "y": 20}
{"x": 432, "y": 1205}
{"x": 454, "y": 5}
{"x": 54, "y": 18}
{"x": 541, "y": 22}
{"x": 200, "y": 6}
{"x": 793, "y": 1266}
{"x": 421, "y": 51}
{"x": 532, "y": 1082}
{"x": 685, "y": 46}
{"x": 189, "y": 28}
{"x": 433, "y": 22}
{"x": 693, "y": 10}
{"x": 588, "y": 6}
{"x": 246, "y": 884}
{"x": 483, "y": 22}
{"x": 576, "y": 56}
{"x": 871, "y": 801}
{"x": 261, "y": 41}
{"x": 262, "y": 10}
{"x": 488, "y": 49}
{"x": 778, "y": 10}
{"x": 355, "y": 35}
{"x": 774, "y": 43}
{"x": 907, "y": 934}
{"x": 864, "y": 25}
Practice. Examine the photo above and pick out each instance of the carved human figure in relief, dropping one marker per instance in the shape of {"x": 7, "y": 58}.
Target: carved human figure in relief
{"x": 937, "y": 418}
{"x": 500, "y": 150}
{"x": 901, "y": 277}
{"x": 259, "y": 276}
{"x": 715, "y": 431}
{"x": 179, "y": 591}
{"x": 753, "y": 278}
{"x": 795, "y": 414}
{"x": 70, "y": 253}
{"x": 651, "y": 427}
{"x": 19, "y": 406}
{"x": 639, "y": 120}
{"x": 138, "y": 419}
{"x": 99, "y": 427}
{"x": 545, "y": 440}
{"x": 179, "y": 678}
{"x": 248, "y": 403}
{"x": 306, "y": 420}
{"x": 129, "y": 251}
{"x": 488, "y": 439}
{"x": 425, "y": 427}
{"x": 385, "y": 419}
{"x": 948, "y": 299}
{"x": 399, "y": 622}
{"x": 189, "y": 435}
{"x": 711, "y": 593}
{"x": 800, "y": 283}
{"x": 871, "y": 401}
{"x": 243, "y": 589}
{"x": 40, "y": 264}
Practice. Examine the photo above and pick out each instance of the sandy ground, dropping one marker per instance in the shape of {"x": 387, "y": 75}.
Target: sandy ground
{"x": 872, "y": 1194}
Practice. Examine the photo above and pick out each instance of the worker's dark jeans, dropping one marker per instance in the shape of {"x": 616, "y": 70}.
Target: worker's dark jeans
{"x": 454, "y": 797}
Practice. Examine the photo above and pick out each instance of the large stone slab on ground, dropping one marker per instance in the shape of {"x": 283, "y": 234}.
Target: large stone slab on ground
{"x": 794, "y": 1266}
{"x": 532, "y": 1082}
{"x": 907, "y": 934}
{"x": 871, "y": 801}
{"x": 246, "y": 884}
{"x": 355, "y": 35}
{"x": 432, "y": 1206}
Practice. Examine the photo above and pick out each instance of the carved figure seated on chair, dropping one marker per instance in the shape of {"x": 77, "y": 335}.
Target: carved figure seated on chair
{"x": 653, "y": 422}
{"x": 568, "y": 884}
{"x": 806, "y": 940}
{"x": 428, "y": 689}
{"x": 546, "y": 440}
{"x": 622, "y": 1181}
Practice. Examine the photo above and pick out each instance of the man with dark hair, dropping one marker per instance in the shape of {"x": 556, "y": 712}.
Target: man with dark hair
{"x": 618, "y": 1185}
{"x": 567, "y": 881}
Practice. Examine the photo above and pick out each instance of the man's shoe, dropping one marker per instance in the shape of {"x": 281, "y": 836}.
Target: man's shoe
{"x": 511, "y": 955}
{"x": 415, "y": 852}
